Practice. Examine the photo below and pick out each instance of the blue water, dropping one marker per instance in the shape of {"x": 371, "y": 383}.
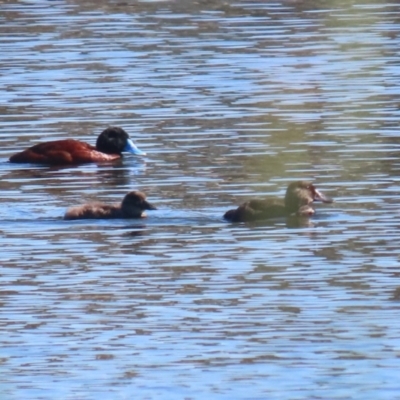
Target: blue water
{"x": 231, "y": 101}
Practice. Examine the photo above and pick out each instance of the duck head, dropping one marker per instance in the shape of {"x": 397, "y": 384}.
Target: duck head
{"x": 303, "y": 193}
{"x": 134, "y": 203}
{"x": 115, "y": 140}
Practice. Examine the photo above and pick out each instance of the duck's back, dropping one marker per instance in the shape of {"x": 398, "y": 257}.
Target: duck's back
{"x": 94, "y": 211}
{"x": 257, "y": 209}
{"x": 59, "y": 152}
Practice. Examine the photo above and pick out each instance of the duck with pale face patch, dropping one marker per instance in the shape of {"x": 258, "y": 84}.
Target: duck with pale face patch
{"x": 298, "y": 199}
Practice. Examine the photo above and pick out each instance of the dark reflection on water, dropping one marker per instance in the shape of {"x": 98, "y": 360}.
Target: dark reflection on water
{"x": 230, "y": 100}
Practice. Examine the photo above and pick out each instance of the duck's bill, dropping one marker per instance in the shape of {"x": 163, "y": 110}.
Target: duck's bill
{"x": 131, "y": 148}
{"x": 148, "y": 206}
{"x": 321, "y": 197}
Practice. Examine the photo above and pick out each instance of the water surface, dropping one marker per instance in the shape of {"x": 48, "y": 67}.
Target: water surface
{"x": 231, "y": 101}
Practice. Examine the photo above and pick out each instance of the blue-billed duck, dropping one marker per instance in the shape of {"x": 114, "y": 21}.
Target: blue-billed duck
{"x": 132, "y": 206}
{"x": 109, "y": 146}
{"x": 299, "y": 196}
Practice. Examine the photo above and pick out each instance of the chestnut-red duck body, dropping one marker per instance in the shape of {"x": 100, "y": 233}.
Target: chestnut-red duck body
{"x": 109, "y": 147}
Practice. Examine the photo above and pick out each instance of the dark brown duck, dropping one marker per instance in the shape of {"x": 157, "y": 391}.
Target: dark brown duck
{"x": 299, "y": 196}
{"x": 133, "y": 206}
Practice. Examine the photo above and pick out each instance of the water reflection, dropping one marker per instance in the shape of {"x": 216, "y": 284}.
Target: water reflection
{"x": 230, "y": 100}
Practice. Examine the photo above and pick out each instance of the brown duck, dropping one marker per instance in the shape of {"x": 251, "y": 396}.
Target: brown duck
{"x": 132, "y": 206}
{"x": 109, "y": 147}
{"x": 299, "y": 196}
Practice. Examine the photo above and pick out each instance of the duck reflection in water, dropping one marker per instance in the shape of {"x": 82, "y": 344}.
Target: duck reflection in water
{"x": 109, "y": 147}
{"x": 132, "y": 206}
{"x": 297, "y": 202}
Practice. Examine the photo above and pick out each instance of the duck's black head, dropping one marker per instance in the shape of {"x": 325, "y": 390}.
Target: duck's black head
{"x": 115, "y": 140}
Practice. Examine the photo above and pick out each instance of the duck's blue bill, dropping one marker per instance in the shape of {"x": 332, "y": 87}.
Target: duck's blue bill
{"x": 131, "y": 148}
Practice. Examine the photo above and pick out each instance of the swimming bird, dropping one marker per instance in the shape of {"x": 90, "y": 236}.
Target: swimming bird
{"x": 132, "y": 206}
{"x": 109, "y": 146}
{"x": 299, "y": 196}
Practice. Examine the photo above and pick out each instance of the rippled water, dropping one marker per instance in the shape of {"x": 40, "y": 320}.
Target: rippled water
{"x": 230, "y": 100}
